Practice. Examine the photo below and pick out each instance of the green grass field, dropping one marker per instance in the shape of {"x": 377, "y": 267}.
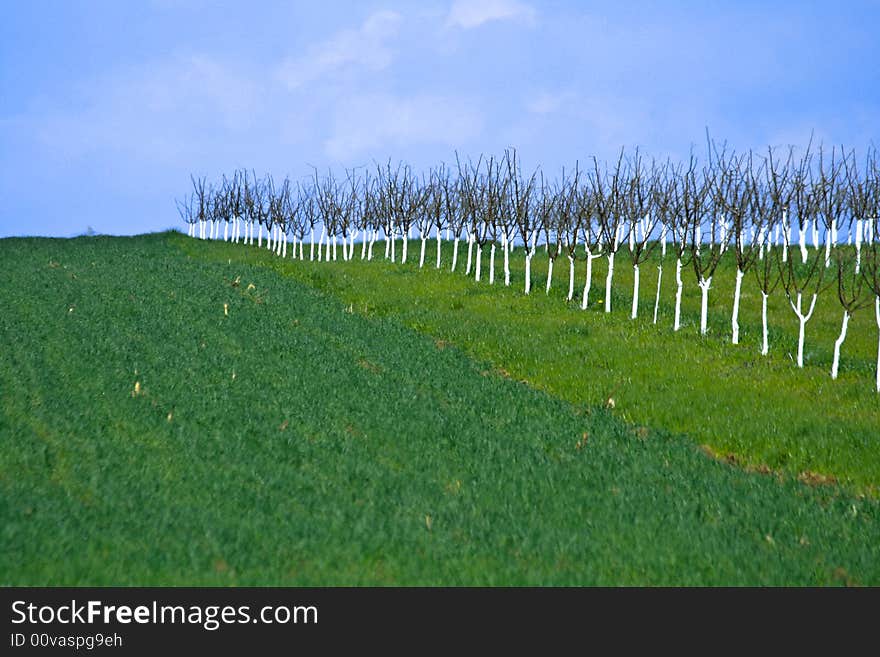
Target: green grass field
{"x": 176, "y": 412}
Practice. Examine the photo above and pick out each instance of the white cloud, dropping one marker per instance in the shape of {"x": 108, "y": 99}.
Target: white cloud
{"x": 381, "y": 121}
{"x": 366, "y": 46}
{"x": 468, "y": 14}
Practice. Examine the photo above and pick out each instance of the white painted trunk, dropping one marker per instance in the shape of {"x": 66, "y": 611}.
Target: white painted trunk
{"x": 492, "y": 264}
{"x": 528, "y": 283}
{"x": 454, "y": 253}
{"x": 828, "y": 249}
{"x": 679, "y": 285}
{"x": 321, "y": 244}
{"x": 705, "y": 284}
{"x": 312, "y": 245}
{"x": 505, "y": 246}
{"x": 260, "y": 237}
{"x": 327, "y": 250}
{"x": 438, "y": 248}
{"x": 422, "y": 254}
{"x": 344, "y": 248}
{"x": 802, "y": 242}
{"x": 835, "y": 365}
{"x": 226, "y": 232}
{"x": 877, "y": 317}
{"x": 334, "y": 248}
{"x": 585, "y": 301}
{"x": 405, "y": 242}
{"x": 765, "y": 343}
{"x": 284, "y": 247}
{"x": 570, "y": 279}
{"x": 479, "y": 262}
{"x": 301, "y": 250}
{"x": 858, "y": 239}
{"x": 467, "y": 269}
{"x": 737, "y": 290}
{"x": 802, "y": 322}
{"x": 635, "y": 304}
{"x": 549, "y": 275}
{"x": 364, "y": 241}
{"x": 657, "y": 297}
{"x": 608, "y": 279}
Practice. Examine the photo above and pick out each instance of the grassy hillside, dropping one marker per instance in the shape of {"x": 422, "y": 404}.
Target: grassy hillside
{"x": 174, "y": 412}
{"x": 761, "y": 411}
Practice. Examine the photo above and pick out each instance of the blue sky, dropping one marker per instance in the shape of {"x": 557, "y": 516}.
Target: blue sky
{"x": 106, "y": 107}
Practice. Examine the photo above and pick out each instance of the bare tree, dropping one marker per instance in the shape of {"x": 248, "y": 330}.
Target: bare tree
{"x": 520, "y": 202}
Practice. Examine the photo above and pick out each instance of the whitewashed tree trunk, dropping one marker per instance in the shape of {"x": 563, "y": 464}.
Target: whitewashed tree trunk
{"x": 635, "y": 303}
{"x": 327, "y": 250}
{"x": 334, "y": 247}
{"x": 455, "y": 244}
{"x": 528, "y": 283}
{"x": 492, "y": 264}
{"x": 438, "y": 248}
{"x": 284, "y": 246}
{"x": 393, "y": 243}
{"x": 479, "y": 262}
{"x": 705, "y": 284}
{"x": 858, "y": 240}
{"x": 505, "y": 246}
{"x": 467, "y": 269}
{"x": 802, "y": 243}
{"x": 828, "y": 241}
{"x": 877, "y": 317}
{"x": 835, "y": 365}
{"x": 802, "y": 322}
{"x": 226, "y": 231}
{"x": 344, "y": 248}
{"x": 765, "y": 343}
{"x": 312, "y": 245}
{"x": 608, "y": 281}
{"x": 321, "y": 244}
{"x": 657, "y": 297}
{"x": 405, "y": 242}
{"x": 422, "y": 254}
{"x": 570, "y": 295}
{"x": 260, "y": 237}
{"x": 588, "y": 282}
{"x": 549, "y": 275}
{"x": 679, "y": 285}
{"x": 737, "y": 290}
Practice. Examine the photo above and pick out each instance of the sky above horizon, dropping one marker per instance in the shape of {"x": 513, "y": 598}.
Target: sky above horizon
{"x": 107, "y": 107}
